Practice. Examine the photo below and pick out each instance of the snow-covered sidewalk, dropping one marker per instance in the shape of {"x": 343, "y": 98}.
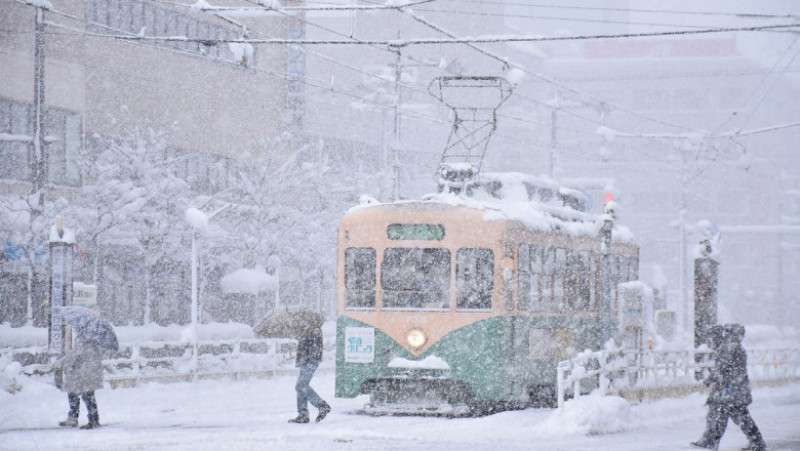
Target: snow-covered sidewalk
{"x": 253, "y": 414}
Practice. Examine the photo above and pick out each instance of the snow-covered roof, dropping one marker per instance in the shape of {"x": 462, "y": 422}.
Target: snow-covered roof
{"x": 538, "y": 203}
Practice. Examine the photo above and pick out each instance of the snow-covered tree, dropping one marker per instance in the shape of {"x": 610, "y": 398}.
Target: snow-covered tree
{"x": 286, "y": 209}
{"x": 133, "y": 202}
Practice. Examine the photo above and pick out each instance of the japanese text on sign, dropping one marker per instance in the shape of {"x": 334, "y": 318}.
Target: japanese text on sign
{"x": 359, "y": 345}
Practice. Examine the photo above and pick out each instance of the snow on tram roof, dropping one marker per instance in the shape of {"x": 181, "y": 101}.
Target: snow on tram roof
{"x": 523, "y": 198}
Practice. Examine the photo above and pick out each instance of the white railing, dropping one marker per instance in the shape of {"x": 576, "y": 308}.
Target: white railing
{"x": 172, "y": 360}
{"x": 634, "y": 374}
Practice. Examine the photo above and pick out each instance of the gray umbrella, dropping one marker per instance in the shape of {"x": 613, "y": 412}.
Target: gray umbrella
{"x": 93, "y": 327}
{"x": 289, "y": 324}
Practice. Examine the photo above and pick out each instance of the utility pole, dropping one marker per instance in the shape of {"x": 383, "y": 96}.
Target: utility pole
{"x": 37, "y": 312}
{"x": 39, "y": 154}
{"x": 398, "y": 72}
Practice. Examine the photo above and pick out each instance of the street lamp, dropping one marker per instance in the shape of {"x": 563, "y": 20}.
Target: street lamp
{"x": 199, "y": 221}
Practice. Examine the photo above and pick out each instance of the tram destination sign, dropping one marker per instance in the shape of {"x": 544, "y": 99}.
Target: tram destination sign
{"x": 415, "y": 231}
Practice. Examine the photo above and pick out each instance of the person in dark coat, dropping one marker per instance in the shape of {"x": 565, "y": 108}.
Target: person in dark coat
{"x": 715, "y": 340}
{"x": 82, "y": 373}
{"x": 730, "y": 390}
{"x": 309, "y": 356}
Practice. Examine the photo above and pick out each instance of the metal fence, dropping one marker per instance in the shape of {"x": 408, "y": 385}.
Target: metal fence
{"x": 166, "y": 361}
{"x": 653, "y": 374}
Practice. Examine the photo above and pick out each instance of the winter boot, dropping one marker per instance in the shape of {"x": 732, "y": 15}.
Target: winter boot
{"x": 70, "y": 422}
{"x": 302, "y": 418}
{"x": 324, "y": 409}
{"x": 94, "y": 422}
{"x": 757, "y": 446}
{"x": 702, "y": 444}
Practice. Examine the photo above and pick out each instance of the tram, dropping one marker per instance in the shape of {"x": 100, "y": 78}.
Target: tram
{"x": 464, "y": 303}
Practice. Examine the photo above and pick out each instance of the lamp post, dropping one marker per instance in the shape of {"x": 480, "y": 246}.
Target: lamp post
{"x": 199, "y": 221}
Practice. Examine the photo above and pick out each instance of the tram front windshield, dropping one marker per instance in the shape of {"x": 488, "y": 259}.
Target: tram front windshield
{"x": 415, "y": 278}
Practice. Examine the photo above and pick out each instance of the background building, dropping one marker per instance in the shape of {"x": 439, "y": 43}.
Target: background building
{"x": 681, "y": 128}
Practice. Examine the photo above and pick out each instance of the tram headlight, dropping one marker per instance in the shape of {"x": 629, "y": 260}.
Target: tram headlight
{"x": 416, "y": 338}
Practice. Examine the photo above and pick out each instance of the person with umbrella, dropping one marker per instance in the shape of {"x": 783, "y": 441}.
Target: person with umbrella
{"x": 305, "y": 326}
{"x": 309, "y": 356}
{"x": 80, "y": 369}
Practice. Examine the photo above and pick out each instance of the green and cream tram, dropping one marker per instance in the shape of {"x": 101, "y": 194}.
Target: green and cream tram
{"x": 461, "y": 305}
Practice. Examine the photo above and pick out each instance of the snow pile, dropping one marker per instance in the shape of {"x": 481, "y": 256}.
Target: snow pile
{"x": 22, "y": 337}
{"x": 9, "y": 372}
{"x": 249, "y": 281}
{"x": 430, "y": 362}
{"x": 196, "y": 218}
{"x": 589, "y": 415}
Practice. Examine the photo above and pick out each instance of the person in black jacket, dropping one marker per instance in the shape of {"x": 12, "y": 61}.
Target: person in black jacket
{"x": 715, "y": 340}
{"x": 730, "y": 390}
{"x": 309, "y": 356}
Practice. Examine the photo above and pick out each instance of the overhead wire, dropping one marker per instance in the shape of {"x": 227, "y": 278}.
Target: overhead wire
{"x": 658, "y": 11}
{"x": 571, "y": 89}
{"x": 767, "y": 90}
{"x": 547, "y": 79}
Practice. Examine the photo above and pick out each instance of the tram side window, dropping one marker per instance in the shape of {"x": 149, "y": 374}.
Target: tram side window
{"x": 359, "y": 277}
{"x": 560, "y": 280}
{"x": 616, "y": 279}
{"x": 630, "y": 268}
{"x": 584, "y": 271}
{"x": 572, "y": 273}
{"x": 474, "y": 278}
{"x": 416, "y": 278}
{"x": 530, "y": 277}
{"x": 548, "y": 271}
{"x": 592, "y": 280}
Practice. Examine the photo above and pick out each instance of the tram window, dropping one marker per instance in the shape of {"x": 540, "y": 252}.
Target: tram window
{"x": 616, "y": 271}
{"x": 474, "y": 278}
{"x": 548, "y": 270}
{"x": 359, "y": 277}
{"x": 631, "y": 269}
{"x": 530, "y": 275}
{"x": 571, "y": 275}
{"x": 415, "y": 278}
{"x": 548, "y": 261}
{"x": 559, "y": 279}
{"x": 583, "y": 268}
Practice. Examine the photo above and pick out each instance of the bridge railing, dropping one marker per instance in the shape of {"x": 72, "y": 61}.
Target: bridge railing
{"x": 173, "y": 360}
{"x": 638, "y": 375}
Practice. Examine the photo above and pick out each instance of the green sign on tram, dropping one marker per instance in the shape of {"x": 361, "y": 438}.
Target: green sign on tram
{"x": 415, "y": 231}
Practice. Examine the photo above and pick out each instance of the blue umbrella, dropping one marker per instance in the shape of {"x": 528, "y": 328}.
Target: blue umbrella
{"x": 91, "y": 326}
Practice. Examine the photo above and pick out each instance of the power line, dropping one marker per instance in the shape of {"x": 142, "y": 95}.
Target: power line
{"x": 438, "y": 41}
{"x": 278, "y": 7}
{"x": 558, "y": 18}
{"x": 307, "y": 80}
{"x": 658, "y": 11}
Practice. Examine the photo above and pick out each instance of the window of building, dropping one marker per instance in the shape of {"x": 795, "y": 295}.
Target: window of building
{"x": 63, "y": 143}
{"x": 133, "y": 18}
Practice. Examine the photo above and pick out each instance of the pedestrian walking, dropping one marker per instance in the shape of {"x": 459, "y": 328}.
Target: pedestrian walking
{"x": 309, "y": 356}
{"x": 81, "y": 373}
{"x": 730, "y": 390}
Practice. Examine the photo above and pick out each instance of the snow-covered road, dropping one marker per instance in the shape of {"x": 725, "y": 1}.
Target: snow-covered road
{"x": 253, "y": 414}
